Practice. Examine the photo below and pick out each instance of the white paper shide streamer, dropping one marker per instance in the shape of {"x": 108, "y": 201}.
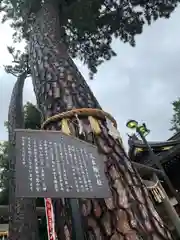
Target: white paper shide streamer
{"x": 113, "y": 131}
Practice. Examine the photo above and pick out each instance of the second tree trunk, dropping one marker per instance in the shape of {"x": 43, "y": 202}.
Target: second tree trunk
{"x": 23, "y": 222}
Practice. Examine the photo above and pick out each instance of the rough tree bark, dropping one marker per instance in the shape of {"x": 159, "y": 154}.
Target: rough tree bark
{"x": 23, "y": 222}
{"x": 59, "y": 87}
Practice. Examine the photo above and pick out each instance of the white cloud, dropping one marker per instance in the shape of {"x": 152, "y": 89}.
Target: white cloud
{"x": 139, "y": 83}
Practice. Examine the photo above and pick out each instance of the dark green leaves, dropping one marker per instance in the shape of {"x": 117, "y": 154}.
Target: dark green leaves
{"x": 20, "y": 63}
{"x": 90, "y": 25}
{"x": 32, "y": 116}
{"x": 176, "y": 116}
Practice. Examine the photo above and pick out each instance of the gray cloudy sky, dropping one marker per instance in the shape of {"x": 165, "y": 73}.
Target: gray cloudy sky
{"x": 139, "y": 83}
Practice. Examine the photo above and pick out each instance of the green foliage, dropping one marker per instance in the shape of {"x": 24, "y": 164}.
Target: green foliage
{"x": 4, "y": 172}
{"x": 90, "y": 25}
{"x": 32, "y": 116}
{"x": 176, "y": 116}
{"x": 20, "y": 63}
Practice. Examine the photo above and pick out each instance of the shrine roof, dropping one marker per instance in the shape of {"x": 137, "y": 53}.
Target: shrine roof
{"x": 166, "y": 150}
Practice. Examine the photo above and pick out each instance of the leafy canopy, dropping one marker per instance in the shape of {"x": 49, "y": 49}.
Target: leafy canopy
{"x": 90, "y": 25}
{"x": 20, "y": 63}
{"x": 175, "y": 122}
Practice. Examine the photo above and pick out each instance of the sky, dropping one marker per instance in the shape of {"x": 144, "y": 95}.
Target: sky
{"x": 140, "y": 83}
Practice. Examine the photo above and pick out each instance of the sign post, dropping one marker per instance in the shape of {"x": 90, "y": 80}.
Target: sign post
{"x": 54, "y": 165}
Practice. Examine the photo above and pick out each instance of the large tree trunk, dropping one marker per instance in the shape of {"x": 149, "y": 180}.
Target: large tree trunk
{"x": 23, "y": 222}
{"x": 59, "y": 87}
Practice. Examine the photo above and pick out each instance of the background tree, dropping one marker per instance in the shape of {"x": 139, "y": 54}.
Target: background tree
{"x": 4, "y": 149}
{"x": 52, "y": 27}
{"x": 23, "y": 222}
{"x": 32, "y": 116}
{"x": 32, "y": 120}
{"x": 175, "y": 122}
